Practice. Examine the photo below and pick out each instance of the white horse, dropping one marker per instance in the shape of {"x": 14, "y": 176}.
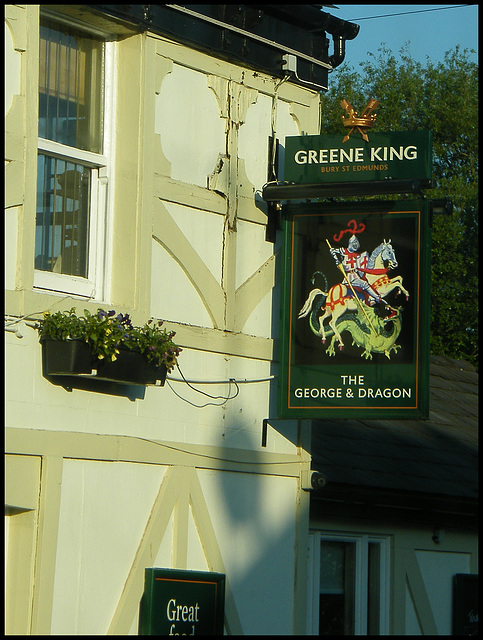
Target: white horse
{"x": 383, "y": 284}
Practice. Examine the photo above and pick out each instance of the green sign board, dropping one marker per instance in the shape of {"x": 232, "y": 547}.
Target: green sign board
{"x": 325, "y": 158}
{"x": 355, "y": 310}
{"x": 185, "y": 603}
{"x": 465, "y": 604}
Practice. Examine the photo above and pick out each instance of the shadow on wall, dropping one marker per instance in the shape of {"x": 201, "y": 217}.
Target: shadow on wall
{"x": 255, "y": 517}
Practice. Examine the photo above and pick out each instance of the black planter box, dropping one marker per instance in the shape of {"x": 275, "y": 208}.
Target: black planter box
{"x": 130, "y": 367}
{"x": 74, "y": 358}
{"x": 66, "y": 357}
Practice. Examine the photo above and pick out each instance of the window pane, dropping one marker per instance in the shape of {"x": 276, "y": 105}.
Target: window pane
{"x": 61, "y": 234}
{"x": 337, "y": 572}
{"x": 374, "y": 589}
{"x": 70, "y": 87}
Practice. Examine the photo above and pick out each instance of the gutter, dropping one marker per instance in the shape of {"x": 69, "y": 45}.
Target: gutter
{"x": 250, "y": 34}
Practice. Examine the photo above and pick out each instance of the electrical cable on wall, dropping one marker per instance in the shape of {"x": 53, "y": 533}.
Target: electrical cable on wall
{"x": 238, "y": 381}
{"x": 208, "y": 395}
{"x": 29, "y": 316}
{"x": 230, "y": 381}
{"x": 224, "y": 399}
{"x": 179, "y": 449}
{"x": 201, "y": 406}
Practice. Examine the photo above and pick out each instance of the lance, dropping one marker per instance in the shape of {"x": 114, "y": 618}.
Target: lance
{"x": 341, "y": 269}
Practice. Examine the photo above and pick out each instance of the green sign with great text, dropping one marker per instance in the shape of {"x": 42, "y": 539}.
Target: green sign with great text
{"x": 395, "y": 155}
{"x": 355, "y": 310}
{"x": 182, "y": 603}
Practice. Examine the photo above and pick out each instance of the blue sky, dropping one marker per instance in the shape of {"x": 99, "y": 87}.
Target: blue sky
{"x": 430, "y": 33}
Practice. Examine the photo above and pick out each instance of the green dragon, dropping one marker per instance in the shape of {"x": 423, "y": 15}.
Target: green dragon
{"x": 380, "y": 340}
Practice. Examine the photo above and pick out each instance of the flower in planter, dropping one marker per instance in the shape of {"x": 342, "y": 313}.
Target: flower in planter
{"x": 107, "y": 332}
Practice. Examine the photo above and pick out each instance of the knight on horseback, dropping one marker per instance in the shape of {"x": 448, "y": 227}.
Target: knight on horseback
{"x": 355, "y": 268}
{"x": 365, "y": 276}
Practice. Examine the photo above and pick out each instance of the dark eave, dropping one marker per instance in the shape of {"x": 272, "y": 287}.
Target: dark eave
{"x": 371, "y": 503}
{"x": 259, "y": 37}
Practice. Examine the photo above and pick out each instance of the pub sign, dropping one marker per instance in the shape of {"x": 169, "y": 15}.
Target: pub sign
{"x": 465, "y": 604}
{"x": 383, "y": 156}
{"x": 355, "y": 310}
{"x": 356, "y": 156}
{"x": 182, "y": 603}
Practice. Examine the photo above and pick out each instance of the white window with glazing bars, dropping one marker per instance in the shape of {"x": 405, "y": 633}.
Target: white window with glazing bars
{"x": 74, "y": 155}
{"x": 348, "y": 590}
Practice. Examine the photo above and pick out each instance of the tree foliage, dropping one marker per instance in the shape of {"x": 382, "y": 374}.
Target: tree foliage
{"x": 441, "y": 97}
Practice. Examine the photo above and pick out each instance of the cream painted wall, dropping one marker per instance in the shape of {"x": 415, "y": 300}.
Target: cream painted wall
{"x": 10, "y": 244}
{"x": 255, "y": 515}
{"x": 188, "y": 121}
{"x": 104, "y": 510}
{"x": 437, "y": 569}
{"x": 19, "y": 38}
{"x": 173, "y": 295}
{"x": 188, "y": 246}
{"x": 13, "y": 67}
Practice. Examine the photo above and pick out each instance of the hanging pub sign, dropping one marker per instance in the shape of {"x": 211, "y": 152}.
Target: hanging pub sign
{"x": 182, "y": 603}
{"x": 465, "y": 604}
{"x": 355, "y": 310}
{"x": 356, "y": 156}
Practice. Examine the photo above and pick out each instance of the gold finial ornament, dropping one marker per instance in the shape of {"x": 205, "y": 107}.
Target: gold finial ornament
{"x": 359, "y": 122}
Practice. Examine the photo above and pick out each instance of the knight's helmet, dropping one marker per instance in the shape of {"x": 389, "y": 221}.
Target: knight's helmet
{"x": 353, "y": 244}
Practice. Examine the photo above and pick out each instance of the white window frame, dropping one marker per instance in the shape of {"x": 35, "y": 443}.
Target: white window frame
{"x": 361, "y": 541}
{"x": 96, "y": 285}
